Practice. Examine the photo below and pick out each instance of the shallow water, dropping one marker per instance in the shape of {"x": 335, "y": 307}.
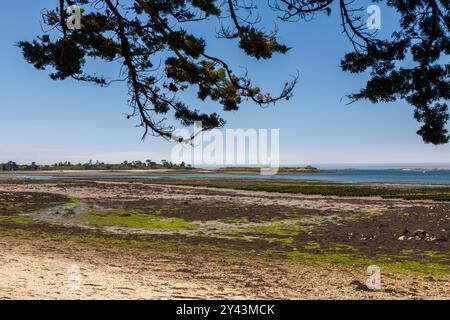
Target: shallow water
{"x": 343, "y": 176}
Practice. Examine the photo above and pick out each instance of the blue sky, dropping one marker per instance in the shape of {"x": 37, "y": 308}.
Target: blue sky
{"x": 46, "y": 121}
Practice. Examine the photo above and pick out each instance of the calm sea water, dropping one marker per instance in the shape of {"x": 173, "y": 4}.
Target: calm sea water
{"x": 344, "y": 176}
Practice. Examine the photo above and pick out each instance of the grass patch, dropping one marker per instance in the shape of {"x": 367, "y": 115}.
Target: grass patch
{"x": 342, "y": 247}
{"x": 236, "y": 220}
{"x": 422, "y": 268}
{"x": 133, "y": 219}
{"x": 17, "y": 220}
{"x": 279, "y": 230}
{"x": 312, "y": 245}
{"x": 73, "y": 199}
{"x": 289, "y": 241}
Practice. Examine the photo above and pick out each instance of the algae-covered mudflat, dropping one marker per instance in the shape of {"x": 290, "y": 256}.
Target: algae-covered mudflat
{"x": 223, "y": 238}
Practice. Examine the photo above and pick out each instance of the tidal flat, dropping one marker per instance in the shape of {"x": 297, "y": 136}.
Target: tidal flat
{"x": 222, "y": 238}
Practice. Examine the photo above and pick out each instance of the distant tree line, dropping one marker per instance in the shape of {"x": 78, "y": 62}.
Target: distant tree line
{"x": 91, "y": 165}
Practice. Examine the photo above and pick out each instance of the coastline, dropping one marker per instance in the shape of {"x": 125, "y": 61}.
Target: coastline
{"x": 374, "y": 177}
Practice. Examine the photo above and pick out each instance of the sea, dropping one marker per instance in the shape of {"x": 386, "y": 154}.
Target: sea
{"x": 415, "y": 176}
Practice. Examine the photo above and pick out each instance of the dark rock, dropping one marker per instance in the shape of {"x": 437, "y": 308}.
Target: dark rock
{"x": 360, "y": 286}
{"x": 420, "y": 233}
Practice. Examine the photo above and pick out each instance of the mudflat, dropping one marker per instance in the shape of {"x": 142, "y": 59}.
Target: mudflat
{"x": 176, "y": 239}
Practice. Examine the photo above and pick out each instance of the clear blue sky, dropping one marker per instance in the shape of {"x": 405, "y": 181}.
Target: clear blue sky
{"x": 46, "y": 121}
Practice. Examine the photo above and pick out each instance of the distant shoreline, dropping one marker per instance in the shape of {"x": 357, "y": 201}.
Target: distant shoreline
{"x": 423, "y": 169}
{"x": 257, "y": 170}
{"x": 225, "y": 170}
